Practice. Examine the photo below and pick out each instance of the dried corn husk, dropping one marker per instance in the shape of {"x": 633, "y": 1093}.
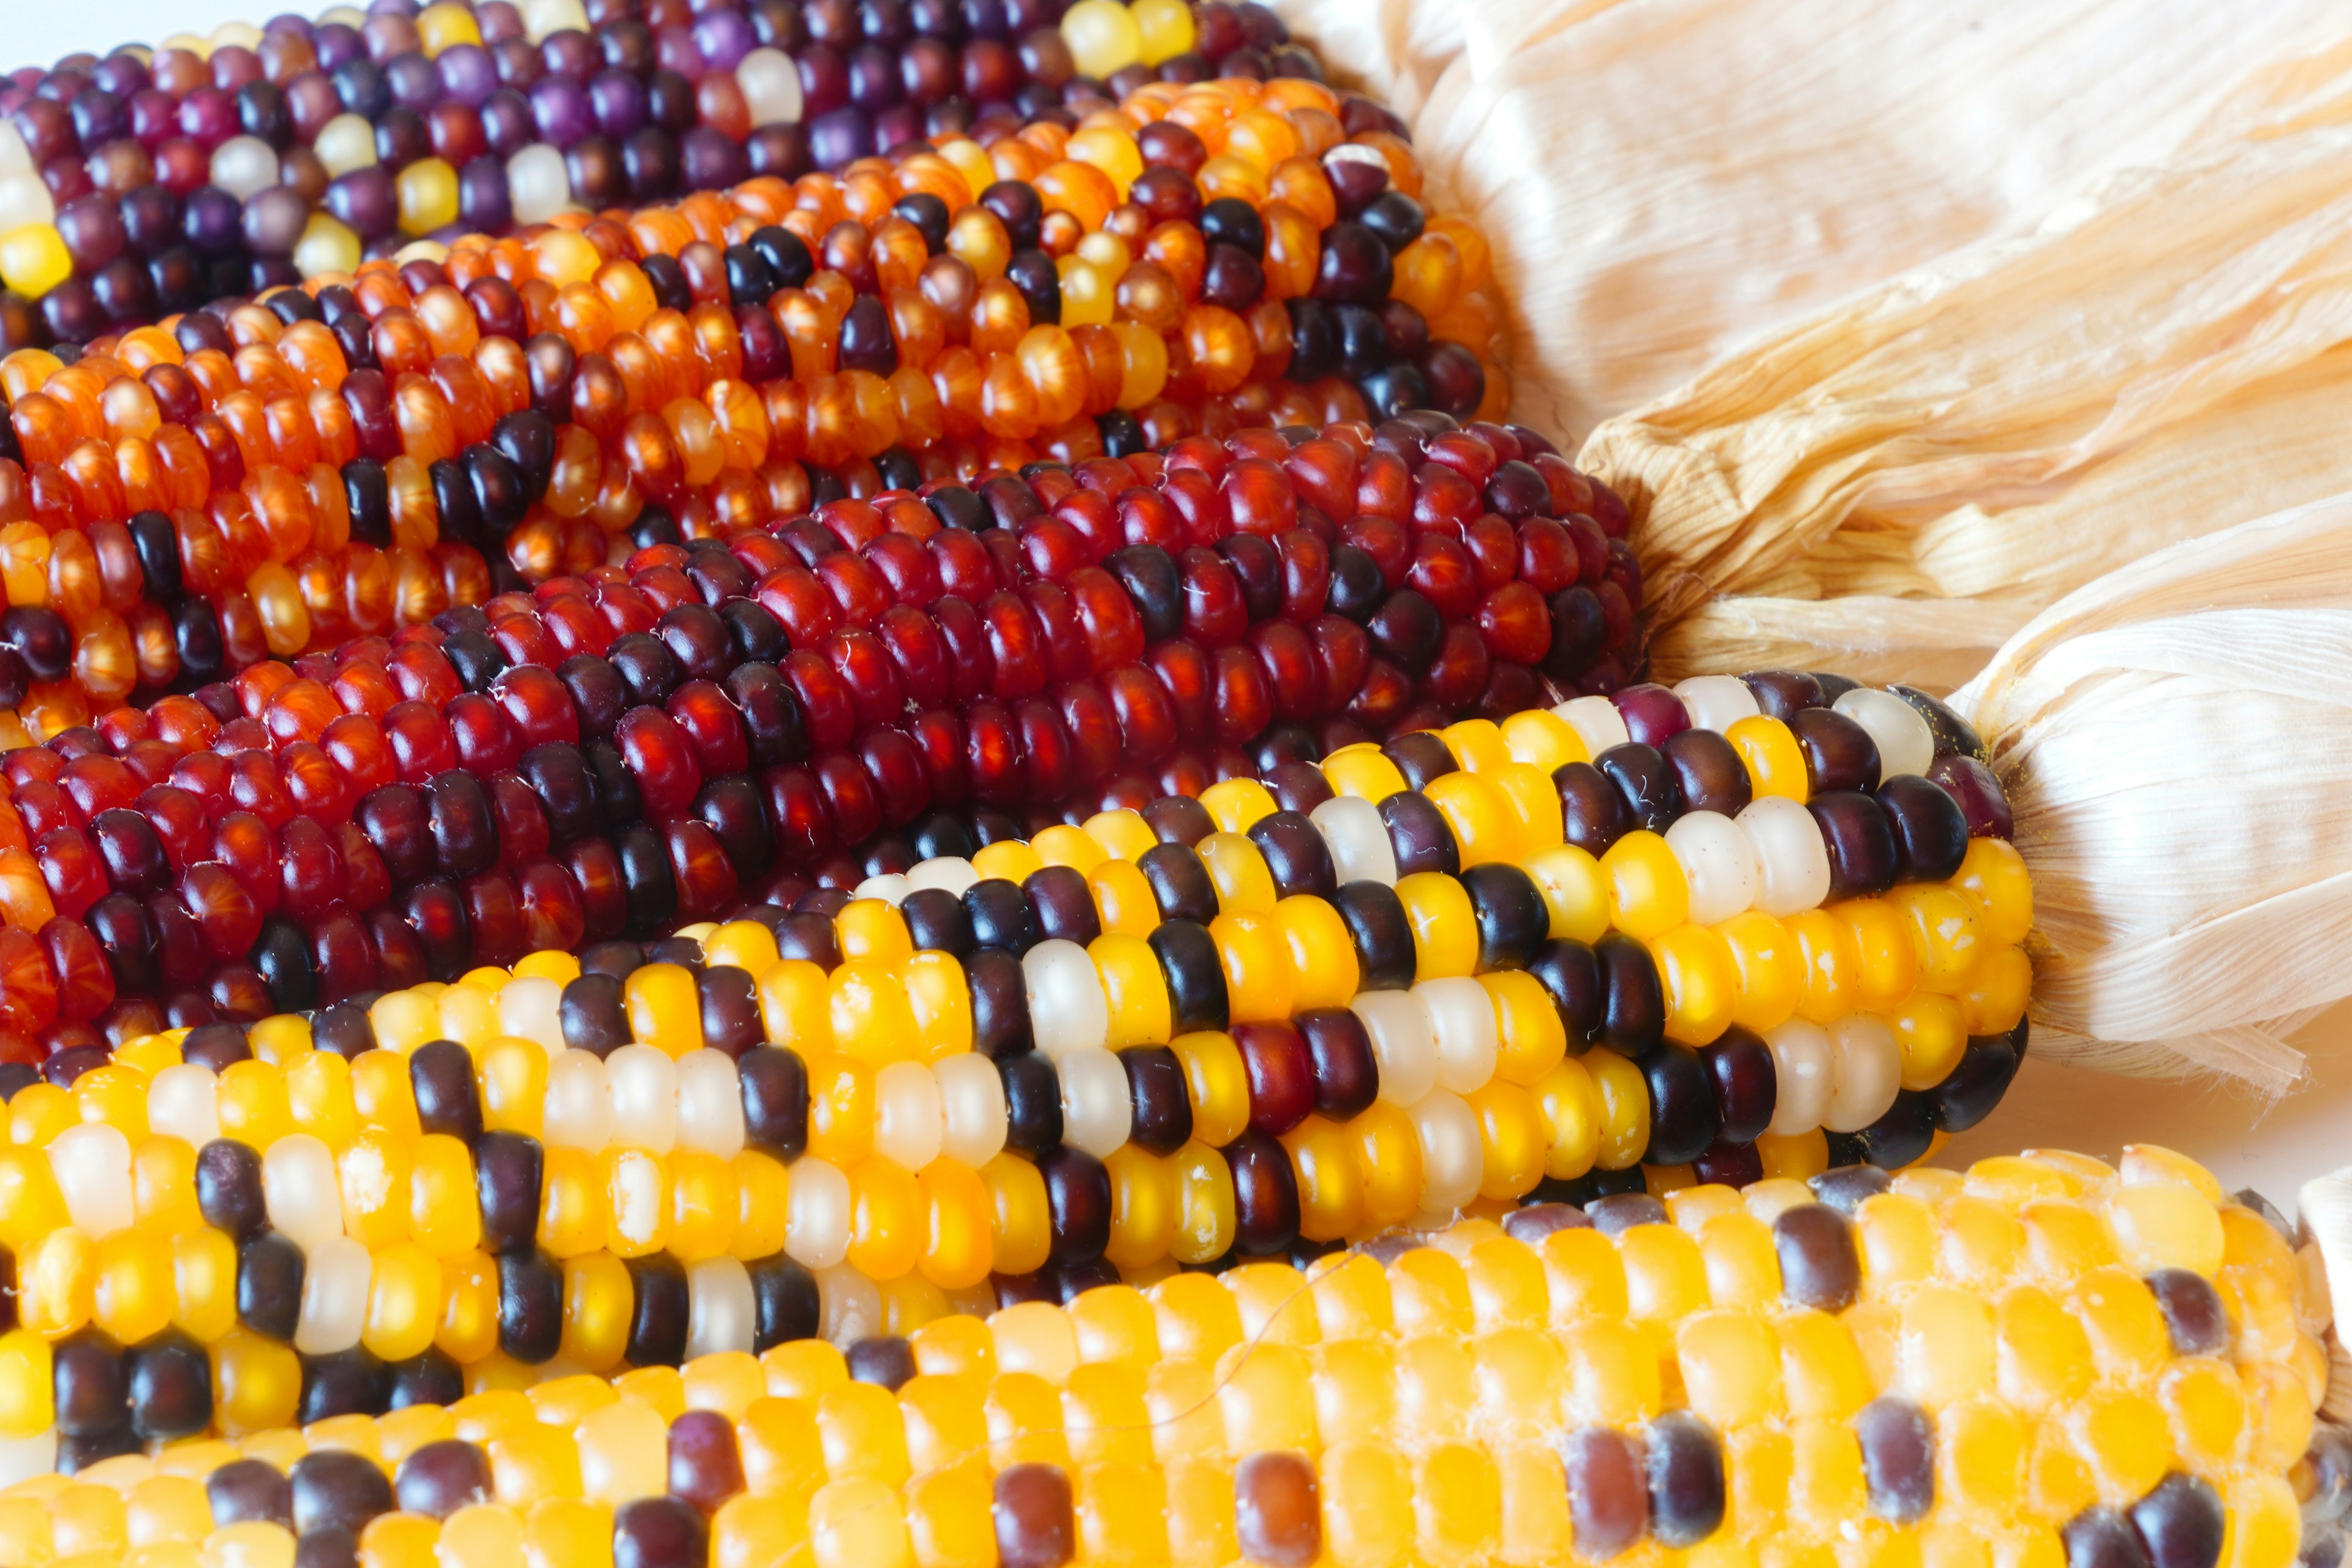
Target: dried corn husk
{"x": 2175, "y": 738}
{"x": 1664, "y": 180}
{"x": 1893, "y": 487}
{"x": 2324, "y": 1208}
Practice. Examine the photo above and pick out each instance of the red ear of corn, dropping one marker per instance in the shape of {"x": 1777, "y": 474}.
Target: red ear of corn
{"x": 727, "y": 716}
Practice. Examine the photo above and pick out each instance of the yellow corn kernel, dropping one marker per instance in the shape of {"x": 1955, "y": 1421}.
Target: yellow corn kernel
{"x": 404, "y": 1301}
{"x": 746, "y": 945}
{"x": 319, "y": 1098}
{"x": 1216, "y": 1083}
{"x": 1259, "y": 981}
{"x": 939, "y": 1000}
{"x": 1238, "y": 871}
{"x": 1574, "y": 890}
{"x": 1233, "y": 805}
{"x": 1823, "y": 1375}
{"x": 26, "y": 1379}
{"x": 1008, "y": 858}
{"x": 1982, "y": 1244}
{"x": 1771, "y": 969}
{"x": 636, "y": 1195}
{"x": 1534, "y": 801}
{"x": 468, "y": 1329}
{"x": 2044, "y": 1355}
{"x": 2165, "y": 1224}
{"x": 251, "y": 1098}
{"x": 1444, "y": 929}
{"x": 380, "y": 1094}
{"x": 870, "y": 1018}
{"x": 1624, "y": 1109}
{"x": 1769, "y": 751}
{"x": 1485, "y": 824}
{"x": 1992, "y": 878}
{"x": 1700, "y": 980}
{"x": 703, "y": 1204}
{"x": 513, "y": 1075}
{"x": 841, "y": 1108}
{"x": 469, "y": 1012}
{"x": 1997, "y": 990}
{"x": 888, "y": 1218}
{"x": 949, "y": 1518}
{"x": 1648, "y": 895}
{"x": 404, "y": 1020}
{"x": 1948, "y": 1345}
{"x": 1743, "y": 1268}
{"x": 131, "y": 1290}
{"x": 1135, "y": 989}
{"x": 1885, "y": 948}
{"x": 256, "y": 1384}
{"x": 873, "y": 929}
{"x": 116, "y": 1096}
{"x": 1832, "y": 961}
{"x": 1543, "y": 739}
{"x": 1512, "y": 1136}
{"x": 795, "y": 1006}
{"x": 1122, "y": 897}
{"x": 762, "y": 1205}
{"x": 1362, "y": 772}
{"x": 1205, "y": 1215}
{"x": 1322, "y": 955}
{"x": 1024, "y": 1227}
{"x": 1932, "y": 1034}
{"x": 39, "y": 1112}
{"x": 572, "y": 1202}
{"x": 56, "y": 1276}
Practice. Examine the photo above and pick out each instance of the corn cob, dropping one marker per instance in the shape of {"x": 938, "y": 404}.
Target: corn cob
{"x": 1265, "y": 1139}
{"x": 134, "y": 186}
{"x": 1483, "y": 628}
{"x": 1639, "y": 887}
{"x": 818, "y": 702}
{"x": 2034, "y": 1361}
{"x": 316, "y": 493}
{"x": 1940, "y": 965}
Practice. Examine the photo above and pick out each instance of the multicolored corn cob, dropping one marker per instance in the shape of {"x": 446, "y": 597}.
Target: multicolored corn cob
{"x": 820, "y": 718}
{"x": 138, "y": 185}
{"x": 1725, "y": 900}
{"x": 349, "y": 473}
{"x": 2040, "y": 1359}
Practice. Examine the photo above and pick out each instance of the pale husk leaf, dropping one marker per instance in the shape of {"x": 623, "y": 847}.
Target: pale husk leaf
{"x": 2173, "y": 738}
{"x": 1665, "y": 181}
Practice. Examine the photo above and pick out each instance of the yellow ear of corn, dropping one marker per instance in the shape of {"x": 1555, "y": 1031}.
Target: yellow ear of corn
{"x": 2039, "y": 1361}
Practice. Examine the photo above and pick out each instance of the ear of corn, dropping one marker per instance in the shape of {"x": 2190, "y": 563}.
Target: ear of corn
{"x": 2038, "y": 1361}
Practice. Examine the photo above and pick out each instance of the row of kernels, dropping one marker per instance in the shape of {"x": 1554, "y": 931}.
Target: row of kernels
{"x": 854, "y": 1194}
{"x": 1876, "y": 950}
{"x": 1459, "y": 1032}
{"x": 1755, "y": 971}
{"x": 906, "y": 1108}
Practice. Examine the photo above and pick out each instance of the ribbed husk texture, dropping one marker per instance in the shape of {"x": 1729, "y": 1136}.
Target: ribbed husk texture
{"x": 2174, "y": 739}
{"x": 1917, "y": 317}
